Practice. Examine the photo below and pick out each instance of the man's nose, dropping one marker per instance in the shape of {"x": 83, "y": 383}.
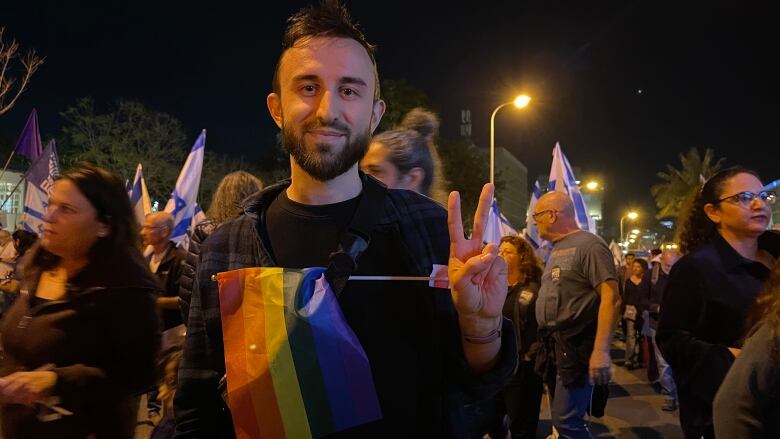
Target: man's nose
{"x": 328, "y": 108}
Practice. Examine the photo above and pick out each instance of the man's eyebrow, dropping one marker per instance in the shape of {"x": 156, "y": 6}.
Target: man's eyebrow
{"x": 308, "y": 77}
{"x": 352, "y": 80}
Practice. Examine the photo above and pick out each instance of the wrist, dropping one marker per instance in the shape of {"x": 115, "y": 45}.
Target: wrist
{"x": 479, "y": 326}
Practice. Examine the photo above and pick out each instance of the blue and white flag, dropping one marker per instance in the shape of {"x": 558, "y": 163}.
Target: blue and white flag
{"x": 139, "y": 196}
{"x": 40, "y": 182}
{"x": 184, "y": 197}
{"x": 562, "y": 180}
{"x": 531, "y": 233}
{"x": 497, "y": 226}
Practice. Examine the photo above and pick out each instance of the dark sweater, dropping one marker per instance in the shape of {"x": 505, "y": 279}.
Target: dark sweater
{"x": 702, "y": 314}
{"x": 103, "y": 339}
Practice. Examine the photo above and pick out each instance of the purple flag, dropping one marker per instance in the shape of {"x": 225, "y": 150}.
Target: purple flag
{"x": 29, "y": 143}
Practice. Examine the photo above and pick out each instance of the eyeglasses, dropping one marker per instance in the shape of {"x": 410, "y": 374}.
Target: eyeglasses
{"x": 537, "y": 214}
{"x": 746, "y": 198}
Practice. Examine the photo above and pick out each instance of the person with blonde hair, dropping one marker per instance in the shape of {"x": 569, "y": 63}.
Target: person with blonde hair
{"x": 406, "y": 157}
{"x": 225, "y": 205}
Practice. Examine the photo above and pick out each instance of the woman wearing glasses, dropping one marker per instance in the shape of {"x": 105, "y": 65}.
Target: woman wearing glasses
{"x": 729, "y": 254}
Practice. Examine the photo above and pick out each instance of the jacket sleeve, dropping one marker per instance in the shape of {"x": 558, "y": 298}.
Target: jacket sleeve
{"x": 697, "y": 363}
{"x": 465, "y": 380}
{"x": 188, "y": 268}
{"x": 130, "y": 362}
{"x": 199, "y": 409}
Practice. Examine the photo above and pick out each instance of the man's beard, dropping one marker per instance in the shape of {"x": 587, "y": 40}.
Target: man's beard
{"x": 320, "y": 161}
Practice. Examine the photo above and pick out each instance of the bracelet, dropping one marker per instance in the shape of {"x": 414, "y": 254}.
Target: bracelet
{"x": 485, "y": 339}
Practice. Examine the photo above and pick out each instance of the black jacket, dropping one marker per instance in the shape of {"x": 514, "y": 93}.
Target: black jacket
{"x": 190, "y": 265}
{"x": 168, "y": 274}
{"x": 102, "y": 339}
{"x": 707, "y": 296}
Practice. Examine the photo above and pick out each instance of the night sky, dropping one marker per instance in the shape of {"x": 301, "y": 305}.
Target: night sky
{"x": 707, "y": 74}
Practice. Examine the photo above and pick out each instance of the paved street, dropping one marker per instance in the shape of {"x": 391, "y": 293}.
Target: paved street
{"x": 633, "y": 410}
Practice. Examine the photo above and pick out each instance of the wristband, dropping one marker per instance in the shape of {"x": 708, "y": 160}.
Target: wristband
{"x": 485, "y": 339}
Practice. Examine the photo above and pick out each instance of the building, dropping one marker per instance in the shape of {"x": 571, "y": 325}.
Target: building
{"x": 512, "y": 178}
{"x": 11, "y": 211}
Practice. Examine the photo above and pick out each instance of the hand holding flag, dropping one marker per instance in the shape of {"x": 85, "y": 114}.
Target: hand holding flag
{"x": 478, "y": 277}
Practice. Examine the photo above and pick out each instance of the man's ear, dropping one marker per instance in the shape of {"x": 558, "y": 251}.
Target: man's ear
{"x": 712, "y": 212}
{"x": 376, "y": 114}
{"x": 413, "y": 179}
{"x": 274, "y": 103}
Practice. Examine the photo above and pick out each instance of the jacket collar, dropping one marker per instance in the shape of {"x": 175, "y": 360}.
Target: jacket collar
{"x": 256, "y": 205}
{"x": 729, "y": 256}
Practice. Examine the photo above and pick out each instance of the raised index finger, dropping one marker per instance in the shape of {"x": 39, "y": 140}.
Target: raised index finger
{"x": 454, "y": 221}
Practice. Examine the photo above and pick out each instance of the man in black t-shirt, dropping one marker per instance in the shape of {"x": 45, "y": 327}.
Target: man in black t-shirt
{"x": 429, "y": 349}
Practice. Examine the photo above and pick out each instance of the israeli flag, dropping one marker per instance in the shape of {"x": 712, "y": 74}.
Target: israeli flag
{"x": 497, "y": 226}
{"x": 531, "y": 233}
{"x": 40, "y": 183}
{"x": 562, "y": 180}
{"x": 184, "y": 197}
{"x": 139, "y": 196}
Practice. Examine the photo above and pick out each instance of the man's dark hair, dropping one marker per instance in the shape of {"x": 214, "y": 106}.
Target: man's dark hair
{"x": 633, "y": 255}
{"x": 328, "y": 19}
{"x": 655, "y": 252}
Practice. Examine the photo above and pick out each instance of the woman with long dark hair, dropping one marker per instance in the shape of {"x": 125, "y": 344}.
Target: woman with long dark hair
{"x": 633, "y": 314}
{"x": 83, "y": 339}
{"x": 712, "y": 287}
{"x": 523, "y": 393}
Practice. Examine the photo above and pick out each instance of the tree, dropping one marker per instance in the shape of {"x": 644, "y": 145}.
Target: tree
{"x": 678, "y": 186}
{"x": 130, "y": 133}
{"x": 400, "y": 97}
{"x": 9, "y": 54}
{"x": 463, "y": 167}
{"x": 120, "y": 138}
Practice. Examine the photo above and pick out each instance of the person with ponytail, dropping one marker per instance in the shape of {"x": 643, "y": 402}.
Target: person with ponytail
{"x": 710, "y": 289}
{"x": 406, "y": 158}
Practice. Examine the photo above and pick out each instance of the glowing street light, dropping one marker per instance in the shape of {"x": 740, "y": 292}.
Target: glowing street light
{"x": 520, "y": 101}
{"x": 592, "y": 185}
{"x": 635, "y": 232}
{"x": 632, "y": 215}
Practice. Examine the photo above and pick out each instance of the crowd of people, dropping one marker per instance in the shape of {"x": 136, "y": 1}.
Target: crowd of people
{"x": 96, "y": 329}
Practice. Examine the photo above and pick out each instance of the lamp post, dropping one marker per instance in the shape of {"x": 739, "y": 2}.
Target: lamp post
{"x": 519, "y": 102}
{"x": 630, "y": 215}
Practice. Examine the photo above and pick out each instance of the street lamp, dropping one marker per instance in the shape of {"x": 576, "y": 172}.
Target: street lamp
{"x": 592, "y": 185}
{"x": 519, "y": 102}
{"x": 630, "y": 215}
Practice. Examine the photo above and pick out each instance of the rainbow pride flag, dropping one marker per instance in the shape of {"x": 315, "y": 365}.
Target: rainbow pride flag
{"x": 295, "y": 369}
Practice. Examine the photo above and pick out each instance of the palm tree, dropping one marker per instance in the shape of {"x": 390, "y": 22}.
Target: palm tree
{"x": 679, "y": 185}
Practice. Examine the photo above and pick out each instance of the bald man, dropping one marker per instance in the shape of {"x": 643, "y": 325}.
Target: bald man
{"x": 164, "y": 261}
{"x": 578, "y": 306}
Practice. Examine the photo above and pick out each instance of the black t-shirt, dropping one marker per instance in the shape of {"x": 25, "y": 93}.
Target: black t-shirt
{"x": 304, "y": 235}
{"x": 392, "y": 320}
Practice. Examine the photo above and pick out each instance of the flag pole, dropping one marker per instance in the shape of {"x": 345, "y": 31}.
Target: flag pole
{"x": 7, "y": 162}
{"x": 12, "y": 192}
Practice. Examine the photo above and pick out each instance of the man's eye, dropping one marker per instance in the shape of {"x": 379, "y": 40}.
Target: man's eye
{"x": 349, "y": 92}
{"x": 309, "y": 90}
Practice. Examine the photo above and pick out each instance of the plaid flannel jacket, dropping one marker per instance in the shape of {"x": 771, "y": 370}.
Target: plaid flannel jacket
{"x": 200, "y": 411}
